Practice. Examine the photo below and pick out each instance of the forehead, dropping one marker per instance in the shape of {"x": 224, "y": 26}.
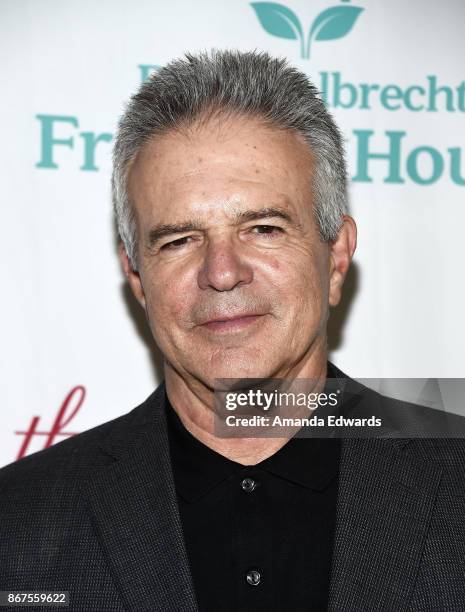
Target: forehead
{"x": 226, "y": 161}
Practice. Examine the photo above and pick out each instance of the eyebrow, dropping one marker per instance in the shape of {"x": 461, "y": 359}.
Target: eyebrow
{"x": 159, "y": 231}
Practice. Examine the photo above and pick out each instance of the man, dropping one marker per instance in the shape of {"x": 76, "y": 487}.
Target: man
{"x": 230, "y": 194}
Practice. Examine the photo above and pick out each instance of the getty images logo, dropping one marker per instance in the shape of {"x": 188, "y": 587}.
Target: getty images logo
{"x": 279, "y": 20}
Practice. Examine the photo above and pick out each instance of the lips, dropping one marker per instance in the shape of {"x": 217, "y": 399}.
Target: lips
{"x": 227, "y": 319}
{"x": 231, "y": 323}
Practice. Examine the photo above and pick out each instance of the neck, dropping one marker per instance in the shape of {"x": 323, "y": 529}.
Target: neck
{"x": 193, "y": 401}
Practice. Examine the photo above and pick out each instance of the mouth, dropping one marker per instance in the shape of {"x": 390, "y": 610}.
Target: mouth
{"x": 232, "y": 324}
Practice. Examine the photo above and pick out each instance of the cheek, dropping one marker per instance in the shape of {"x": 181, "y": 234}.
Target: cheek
{"x": 306, "y": 286}
{"x": 300, "y": 275}
{"x": 169, "y": 298}
{"x": 160, "y": 294}
{"x": 274, "y": 265}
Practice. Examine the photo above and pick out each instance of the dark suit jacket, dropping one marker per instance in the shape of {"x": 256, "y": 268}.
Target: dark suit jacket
{"x": 96, "y": 515}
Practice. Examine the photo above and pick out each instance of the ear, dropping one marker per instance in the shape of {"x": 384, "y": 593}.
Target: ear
{"x": 341, "y": 253}
{"x": 132, "y": 275}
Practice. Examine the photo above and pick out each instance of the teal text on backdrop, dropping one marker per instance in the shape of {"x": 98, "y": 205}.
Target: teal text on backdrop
{"x": 399, "y": 161}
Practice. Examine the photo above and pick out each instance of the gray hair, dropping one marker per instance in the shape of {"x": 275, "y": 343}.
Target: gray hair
{"x": 251, "y": 83}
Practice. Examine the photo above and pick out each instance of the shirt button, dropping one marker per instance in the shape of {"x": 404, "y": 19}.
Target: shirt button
{"x": 253, "y": 577}
{"x": 248, "y": 484}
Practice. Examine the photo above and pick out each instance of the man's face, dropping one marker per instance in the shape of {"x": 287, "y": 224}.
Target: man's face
{"x": 232, "y": 273}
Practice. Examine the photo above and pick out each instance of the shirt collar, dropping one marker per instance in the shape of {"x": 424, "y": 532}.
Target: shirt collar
{"x": 197, "y": 469}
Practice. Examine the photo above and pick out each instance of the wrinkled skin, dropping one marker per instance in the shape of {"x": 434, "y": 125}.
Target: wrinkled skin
{"x": 225, "y": 265}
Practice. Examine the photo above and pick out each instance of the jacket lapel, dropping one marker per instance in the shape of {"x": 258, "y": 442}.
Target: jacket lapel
{"x": 386, "y": 498}
{"x": 134, "y": 508}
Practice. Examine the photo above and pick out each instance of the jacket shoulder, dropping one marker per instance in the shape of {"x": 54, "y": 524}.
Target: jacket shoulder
{"x": 54, "y": 460}
{"x": 429, "y": 434}
{"x": 74, "y": 455}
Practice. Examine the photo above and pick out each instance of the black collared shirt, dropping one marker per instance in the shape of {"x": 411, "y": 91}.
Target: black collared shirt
{"x": 258, "y": 537}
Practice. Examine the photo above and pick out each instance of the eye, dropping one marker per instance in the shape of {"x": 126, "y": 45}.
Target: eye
{"x": 267, "y": 230}
{"x": 174, "y": 244}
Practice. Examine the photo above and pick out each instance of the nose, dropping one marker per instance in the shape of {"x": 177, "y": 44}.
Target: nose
{"x": 223, "y": 268}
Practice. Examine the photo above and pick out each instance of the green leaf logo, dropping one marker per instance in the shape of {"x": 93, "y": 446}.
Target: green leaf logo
{"x": 279, "y": 20}
{"x": 332, "y": 23}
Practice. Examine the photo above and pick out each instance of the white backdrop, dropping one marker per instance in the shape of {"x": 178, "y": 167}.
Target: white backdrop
{"x": 73, "y": 355}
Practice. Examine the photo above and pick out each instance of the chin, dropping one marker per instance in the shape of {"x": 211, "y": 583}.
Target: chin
{"x": 235, "y": 370}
